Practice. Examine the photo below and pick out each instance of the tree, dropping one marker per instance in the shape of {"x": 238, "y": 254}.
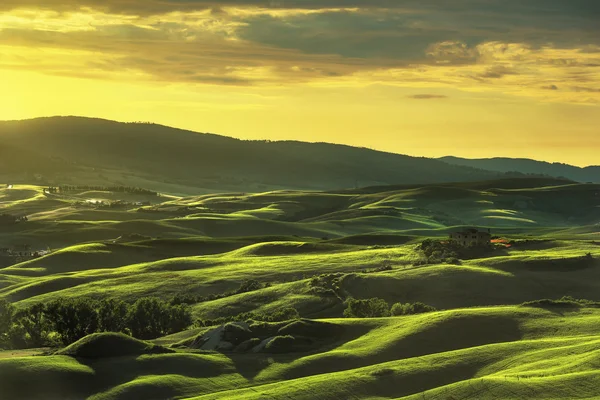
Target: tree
{"x": 368, "y": 308}
{"x": 148, "y": 318}
{"x": 7, "y": 312}
{"x": 180, "y": 317}
{"x": 73, "y": 319}
{"x": 35, "y": 325}
{"x": 112, "y": 315}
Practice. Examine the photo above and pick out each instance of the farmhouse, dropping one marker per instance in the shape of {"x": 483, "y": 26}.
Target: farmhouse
{"x": 471, "y": 237}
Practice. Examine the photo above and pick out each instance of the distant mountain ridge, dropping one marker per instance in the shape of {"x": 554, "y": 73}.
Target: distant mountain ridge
{"x": 78, "y": 150}
{"x": 86, "y": 151}
{"x": 528, "y": 166}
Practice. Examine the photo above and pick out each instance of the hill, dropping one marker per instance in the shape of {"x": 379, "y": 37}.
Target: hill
{"x": 72, "y": 150}
{"x": 237, "y": 260}
{"x": 527, "y": 166}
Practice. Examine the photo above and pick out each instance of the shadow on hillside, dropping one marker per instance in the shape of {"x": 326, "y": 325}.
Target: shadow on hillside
{"x": 551, "y": 264}
{"x": 250, "y": 365}
{"x": 115, "y": 371}
{"x": 458, "y": 332}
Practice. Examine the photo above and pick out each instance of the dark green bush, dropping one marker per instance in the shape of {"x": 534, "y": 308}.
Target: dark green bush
{"x": 367, "y": 308}
{"x": 411, "y": 308}
{"x": 249, "y": 285}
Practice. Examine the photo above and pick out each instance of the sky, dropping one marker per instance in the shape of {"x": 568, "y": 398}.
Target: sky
{"x": 470, "y": 78}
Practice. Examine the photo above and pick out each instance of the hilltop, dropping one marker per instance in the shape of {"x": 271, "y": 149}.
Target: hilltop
{"x": 73, "y": 150}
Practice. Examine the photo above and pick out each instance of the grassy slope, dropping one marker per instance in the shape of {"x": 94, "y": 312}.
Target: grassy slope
{"x": 444, "y": 353}
{"x": 211, "y": 243}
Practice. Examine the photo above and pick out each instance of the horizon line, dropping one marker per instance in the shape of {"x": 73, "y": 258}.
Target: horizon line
{"x": 139, "y": 122}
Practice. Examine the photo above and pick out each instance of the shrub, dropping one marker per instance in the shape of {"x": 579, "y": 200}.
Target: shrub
{"x": 327, "y": 284}
{"x": 249, "y": 285}
{"x": 368, "y": 308}
{"x": 411, "y": 308}
{"x": 185, "y": 299}
{"x": 285, "y": 314}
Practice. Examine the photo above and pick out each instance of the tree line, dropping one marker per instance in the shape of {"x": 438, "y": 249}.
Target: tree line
{"x": 64, "y": 321}
{"x": 85, "y": 188}
{"x": 376, "y": 308}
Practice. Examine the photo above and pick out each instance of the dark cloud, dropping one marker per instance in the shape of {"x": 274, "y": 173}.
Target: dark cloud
{"x": 519, "y": 11}
{"x": 427, "y": 96}
{"x": 550, "y": 87}
{"x": 482, "y": 42}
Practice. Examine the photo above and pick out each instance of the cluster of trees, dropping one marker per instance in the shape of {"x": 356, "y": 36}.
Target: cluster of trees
{"x": 119, "y": 204}
{"x": 68, "y": 320}
{"x": 436, "y": 252}
{"x": 249, "y": 285}
{"x": 9, "y": 219}
{"x": 376, "y": 307}
{"x": 86, "y": 188}
{"x": 327, "y": 285}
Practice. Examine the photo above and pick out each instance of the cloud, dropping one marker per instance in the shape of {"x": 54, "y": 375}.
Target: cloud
{"x": 515, "y": 47}
{"x": 427, "y": 96}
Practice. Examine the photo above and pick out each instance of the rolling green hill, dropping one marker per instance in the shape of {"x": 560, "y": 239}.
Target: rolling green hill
{"x": 313, "y": 251}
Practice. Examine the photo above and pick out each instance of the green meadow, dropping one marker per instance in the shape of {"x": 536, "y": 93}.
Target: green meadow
{"x": 489, "y": 335}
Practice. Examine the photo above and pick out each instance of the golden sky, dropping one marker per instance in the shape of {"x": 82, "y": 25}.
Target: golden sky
{"x": 470, "y": 78}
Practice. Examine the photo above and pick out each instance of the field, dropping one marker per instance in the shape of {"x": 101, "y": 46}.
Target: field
{"x": 314, "y": 251}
